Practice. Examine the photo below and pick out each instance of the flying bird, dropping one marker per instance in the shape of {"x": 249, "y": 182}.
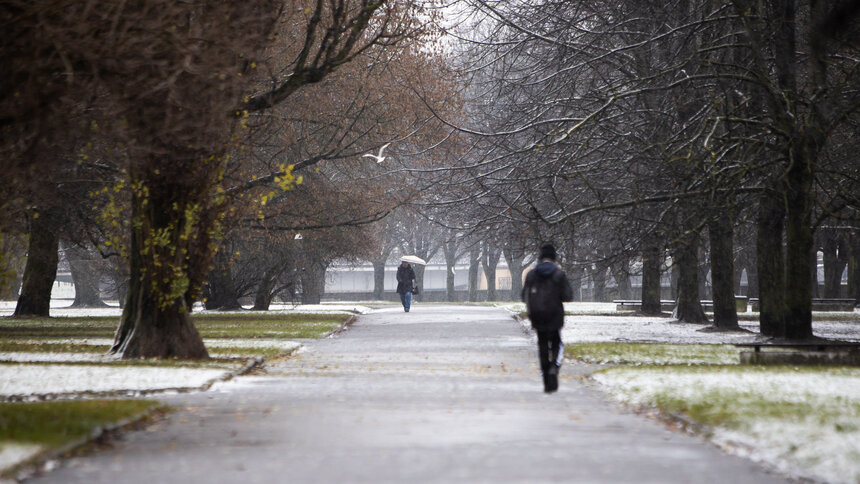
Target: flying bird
{"x": 379, "y": 158}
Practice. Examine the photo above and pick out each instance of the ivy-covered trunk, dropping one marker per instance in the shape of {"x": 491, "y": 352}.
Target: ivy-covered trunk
{"x": 167, "y": 254}
{"x": 41, "y": 267}
{"x": 720, "y": 235}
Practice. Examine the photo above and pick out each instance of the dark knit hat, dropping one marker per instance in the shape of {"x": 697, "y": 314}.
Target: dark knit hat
{"x": 547, "y": 251}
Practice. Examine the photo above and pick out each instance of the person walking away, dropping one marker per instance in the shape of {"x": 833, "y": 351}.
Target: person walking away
{"x": 405, "y": 284}
{"x": 545, "y": 289}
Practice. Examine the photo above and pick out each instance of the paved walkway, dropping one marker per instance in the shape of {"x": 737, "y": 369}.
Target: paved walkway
{"x": 441, "y": 394}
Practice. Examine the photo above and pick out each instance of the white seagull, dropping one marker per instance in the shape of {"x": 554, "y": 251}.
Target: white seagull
{"x": 379, "y": 158}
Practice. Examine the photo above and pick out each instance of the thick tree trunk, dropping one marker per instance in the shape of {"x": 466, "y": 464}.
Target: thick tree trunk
{"x": 222, "y": 289}
{"x": 313, "y": 282}
{"x": 156, "y": 320}
{"x": 474, "y": 264}
{"x": 86, "y": 275}
{"x": 652, "y": 259}
{"x": 40, "y": 269}
{"x": 514, "y": 258}
{"x": 770, "y": 265}
{"x": 798, "y": 248}
{"x": 379, "y": 280}
{"x": 263, "y": 295}
{"x": 688, "y": 307}
{"x": 720, "y": 235}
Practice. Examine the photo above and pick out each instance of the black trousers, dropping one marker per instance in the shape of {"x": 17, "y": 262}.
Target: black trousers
{"x": 550, "y": 349}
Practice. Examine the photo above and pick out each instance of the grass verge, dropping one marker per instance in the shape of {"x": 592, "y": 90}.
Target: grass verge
{"x": 44, "y": 428}
{"x": 210, "y": 325}
{"x": 59, "y": 422}
{"x": 652, "y": 354}
{"x": 804, "y": 421}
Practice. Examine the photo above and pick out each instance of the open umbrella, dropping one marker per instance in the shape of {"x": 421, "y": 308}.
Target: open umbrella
{"x": 413, "y": 259}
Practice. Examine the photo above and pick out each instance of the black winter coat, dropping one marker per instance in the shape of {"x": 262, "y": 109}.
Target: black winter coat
{"x": 553, "y": 316}
{"x": 405, "y": 279}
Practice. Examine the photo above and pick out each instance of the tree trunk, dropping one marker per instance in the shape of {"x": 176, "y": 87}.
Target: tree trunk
{"x": 770, "y": 265}
{"x": 474, "y": 264}
{"x": 313, "y": 282}
{"x": 13, "y": 249}
{"x": 854, "y": 269}
{"x": 651, "y": 261}
{"x": 222, "y": 289}
{"x": 40, "y": 270}
{"x": 621, "y": 273}
{"x": 688, "y": 307}
{"x": 514, "y": 258}
{"x": 720, "y": 235}
{"x": 489, "y": 262}
{"x": 86, "y": 275}
{"x": 798, "y": 247}
{"x": 450, "y": 262}
{"x": 379, "y": 280}
{"x": 263, "y": 295}
{"x": 156, "y": 318}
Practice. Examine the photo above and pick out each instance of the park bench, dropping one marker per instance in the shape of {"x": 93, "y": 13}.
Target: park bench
{"x": 669, "y": 305}
{"x": 819, "y": 304}
{"x": 636, "y": 304}
{"x": 814, "y": 353}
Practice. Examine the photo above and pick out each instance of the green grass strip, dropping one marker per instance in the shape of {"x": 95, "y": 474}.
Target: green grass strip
{"x": 60, "y": 422}
{"x": 210, "y": 325}
{"x": 653, "y": 354}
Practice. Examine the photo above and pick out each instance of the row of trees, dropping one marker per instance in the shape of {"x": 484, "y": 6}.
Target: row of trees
{"x": 157, "y": 132}
{"x": 631, "y": 130}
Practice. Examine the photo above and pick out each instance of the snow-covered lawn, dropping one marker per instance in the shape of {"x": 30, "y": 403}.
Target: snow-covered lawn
{"x": 23, "y": 379}
{"x": 62, "y": 307}
{"x": 805, "y": 422}
{"x": 598, "y": 329}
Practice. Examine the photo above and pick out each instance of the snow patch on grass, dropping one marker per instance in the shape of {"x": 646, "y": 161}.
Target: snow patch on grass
{"x": 28, "y": 357}
{"x": 802, "y": 421}
{"x": 11, "y": 454}
{"x": 50, "y": 379}
{"x": 622, "y": 329}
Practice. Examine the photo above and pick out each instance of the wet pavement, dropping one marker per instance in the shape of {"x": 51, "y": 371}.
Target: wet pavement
{"x": 441, "y": 394}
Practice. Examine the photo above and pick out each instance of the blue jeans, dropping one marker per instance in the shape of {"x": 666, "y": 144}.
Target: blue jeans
{"x": 406, "y": 299}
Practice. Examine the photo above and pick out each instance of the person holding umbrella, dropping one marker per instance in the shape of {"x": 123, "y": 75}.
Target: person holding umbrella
{"x": 405, "y": 282}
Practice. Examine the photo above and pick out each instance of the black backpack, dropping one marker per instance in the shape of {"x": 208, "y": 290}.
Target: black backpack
{"x": 543, "y": 298}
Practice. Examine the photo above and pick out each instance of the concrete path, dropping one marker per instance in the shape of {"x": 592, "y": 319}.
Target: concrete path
{"x": 441, "y": 394}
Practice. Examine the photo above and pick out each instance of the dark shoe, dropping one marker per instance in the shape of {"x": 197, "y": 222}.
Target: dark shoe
{"x": 552, "y": 383}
